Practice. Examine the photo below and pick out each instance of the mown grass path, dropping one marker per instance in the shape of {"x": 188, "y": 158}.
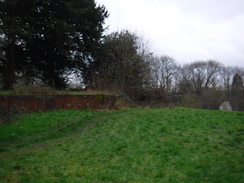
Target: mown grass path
{"x": 134, "y": 145}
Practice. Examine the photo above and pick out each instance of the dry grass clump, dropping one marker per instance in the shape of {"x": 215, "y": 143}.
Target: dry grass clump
{"x": 102, "y": 92}
{"x": 33, "y": 90}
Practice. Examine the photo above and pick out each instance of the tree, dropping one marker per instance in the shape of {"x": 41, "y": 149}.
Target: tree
{"x": 185, "y": 85}
{"x": 226, "y": 74}
{"x": 237, "y": 91}
{"x": 59, "y": 36}
{"x": 199, "y": 80}
{"x": 124, "y": 64}
{"x": 203, "y": 74}
{"x": 237, "y": 85}
{"x": 164, "y": 69}
{"x": 10, "y": 34}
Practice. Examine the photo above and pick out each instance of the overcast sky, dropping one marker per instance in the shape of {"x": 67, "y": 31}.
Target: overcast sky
{"x": 187, "y": 30}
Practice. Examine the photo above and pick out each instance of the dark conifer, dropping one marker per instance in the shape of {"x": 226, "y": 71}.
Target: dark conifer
{"x": 45, "y": 39}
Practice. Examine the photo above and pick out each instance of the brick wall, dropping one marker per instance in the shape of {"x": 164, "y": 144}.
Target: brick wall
{"x": 34, "y": 103}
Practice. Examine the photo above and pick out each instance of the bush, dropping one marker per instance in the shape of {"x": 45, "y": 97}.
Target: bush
{"x": 190, "y": 100}
{"x": 125, "y": 102}
{"x": 212, "y": 98}
{"x": 151, "y": 97}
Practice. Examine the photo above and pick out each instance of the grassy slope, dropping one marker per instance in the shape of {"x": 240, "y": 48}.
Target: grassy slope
{"x": 153, "y": 145}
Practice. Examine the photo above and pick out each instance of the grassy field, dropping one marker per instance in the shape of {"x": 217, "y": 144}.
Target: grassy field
{"x": 178, "y": 145}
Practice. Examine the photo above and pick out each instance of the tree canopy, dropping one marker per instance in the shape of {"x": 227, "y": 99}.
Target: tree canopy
{"x": 124, "y": 64}
{"x": 42, "y": 40}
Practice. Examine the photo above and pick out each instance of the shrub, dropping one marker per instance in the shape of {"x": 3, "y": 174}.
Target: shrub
{"x": 191, "y": 101}
{"x": 153, "y": 97}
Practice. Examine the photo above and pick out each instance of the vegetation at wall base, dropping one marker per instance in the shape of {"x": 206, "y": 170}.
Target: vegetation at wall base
{"x": 133, "y": 145}
{"x": 7, "y": 116}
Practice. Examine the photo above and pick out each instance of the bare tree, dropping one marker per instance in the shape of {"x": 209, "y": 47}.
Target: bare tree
{"x": 167, "y": 70}
{"x": 226, "y": 77}
{"x": 164, "y": 69}
{"x": 155, "y": 74}
{"x": 185, "y": 85}
{"x": 204, "y": 74}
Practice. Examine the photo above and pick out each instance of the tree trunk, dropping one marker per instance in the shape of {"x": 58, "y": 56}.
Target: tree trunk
{"x": 8, "y": 80}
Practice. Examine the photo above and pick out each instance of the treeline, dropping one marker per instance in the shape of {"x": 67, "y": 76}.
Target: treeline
{"x": 201, "y": 84}
{"x": 128, "y": 66}
{"x": 59, "y": 43}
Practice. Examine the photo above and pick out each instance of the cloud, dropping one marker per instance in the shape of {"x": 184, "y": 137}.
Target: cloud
{"x": 213, "y": 11}
{"x": 186, "y": 30}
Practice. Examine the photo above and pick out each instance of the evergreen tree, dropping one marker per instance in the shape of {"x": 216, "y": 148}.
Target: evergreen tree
{"x": 237, "y": 84}
{"x": 60, "y": 36}
{"x": 11, "y": 33}
{"x": 237, "y": 92}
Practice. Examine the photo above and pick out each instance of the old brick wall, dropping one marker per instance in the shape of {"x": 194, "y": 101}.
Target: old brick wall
{"x": 34, "y": 103}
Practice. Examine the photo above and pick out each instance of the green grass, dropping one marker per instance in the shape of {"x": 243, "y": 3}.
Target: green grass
{"x": 134, "y": 145}
{"x": 6, "y": 92}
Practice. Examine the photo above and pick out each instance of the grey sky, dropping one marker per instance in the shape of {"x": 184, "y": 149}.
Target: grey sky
{"x": 187, "y": 30}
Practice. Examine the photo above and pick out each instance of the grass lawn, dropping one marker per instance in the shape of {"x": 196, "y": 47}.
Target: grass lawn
{"x": 178, "y": 145}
